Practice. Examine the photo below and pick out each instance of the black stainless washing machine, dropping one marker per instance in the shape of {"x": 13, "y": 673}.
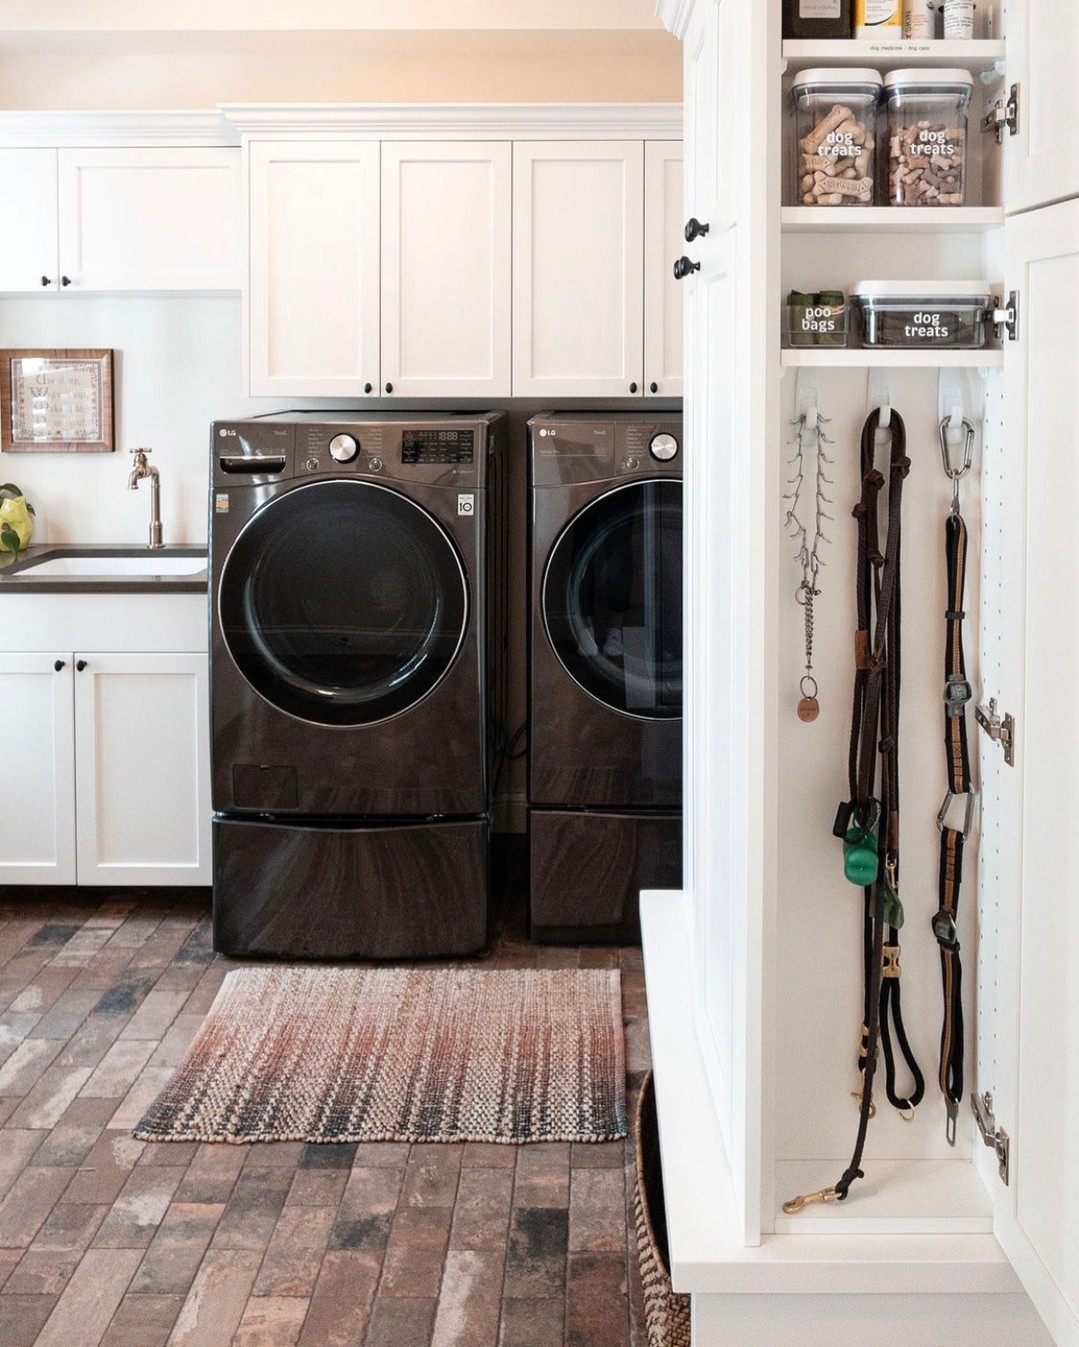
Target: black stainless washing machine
{"x": 355, "y": 667}
{"x": 605, "y": 670}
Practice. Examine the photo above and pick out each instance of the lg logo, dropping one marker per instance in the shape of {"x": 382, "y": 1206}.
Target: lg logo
{"x": 224, "y": 432}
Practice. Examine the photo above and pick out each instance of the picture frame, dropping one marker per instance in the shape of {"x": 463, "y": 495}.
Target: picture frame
{"x": 56, "y": 401}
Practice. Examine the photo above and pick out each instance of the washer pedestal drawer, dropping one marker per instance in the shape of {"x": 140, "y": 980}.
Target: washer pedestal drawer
{"x": 588, "y": 869}
{"x": 311, "y": 890}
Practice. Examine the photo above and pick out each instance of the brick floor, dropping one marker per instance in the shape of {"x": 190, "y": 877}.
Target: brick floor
{"x": 110, "y": 1242}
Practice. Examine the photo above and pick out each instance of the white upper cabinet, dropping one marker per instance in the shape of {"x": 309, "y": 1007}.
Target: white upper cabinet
{"x": 149, "y": 219}
{"x": 28, "y": 240}
{"x": 313, "y": 283}
{"x": 578, "y": 258}
{"x": 664, "y": 217}
{"x": 446, "y": 269}
{"x": 1041, "y": 161}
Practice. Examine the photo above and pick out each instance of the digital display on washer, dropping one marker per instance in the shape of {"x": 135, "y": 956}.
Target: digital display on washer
{"x": 437, "y": 446}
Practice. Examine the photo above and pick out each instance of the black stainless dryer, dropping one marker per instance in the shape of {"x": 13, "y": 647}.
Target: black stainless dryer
{"x": 605, "y": 670}
{"x": 352, "y": 571}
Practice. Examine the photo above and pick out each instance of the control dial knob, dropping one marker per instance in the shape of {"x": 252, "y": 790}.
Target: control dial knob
{"x": 343, "y": 448}
{"x": 664, "y": 447}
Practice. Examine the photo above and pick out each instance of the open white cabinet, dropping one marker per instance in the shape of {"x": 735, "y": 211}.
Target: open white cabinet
{"x": 754, "y": 968}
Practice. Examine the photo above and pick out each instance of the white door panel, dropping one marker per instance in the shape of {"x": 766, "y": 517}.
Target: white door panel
{"x": 1037, "y": 1099}
{"x": 313, "y": 282}
{"x": 663, "y": 242}
{"x": 28, "y": 237}
{"x": 37, "y": 820}
{"x": 578, "y": 263}
{"x": 1041, "y": 162}
{"x": 446, "y": 269}
{"x": 142, "y": 741}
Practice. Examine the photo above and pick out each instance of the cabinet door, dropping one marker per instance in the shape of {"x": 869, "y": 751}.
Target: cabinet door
{"x": 143, "y": 769}
{"x": 446, "y": 269}
{"x": 664, "y": 240}
{"x": 312, "y": 300}
{"x": 37, "y": 821}
{"x": 150, "y": 219}
{"x": 1035, "y": 852}
{"x": 578, "y": 259}
{"x": 1041, "y": 162}
{"x": 28, "y": 244}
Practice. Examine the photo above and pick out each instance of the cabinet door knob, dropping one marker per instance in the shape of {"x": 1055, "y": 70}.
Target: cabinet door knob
{"x": 633, "y": 388}
{"x": 683, "y": 267}
{"x": 367, "y": 388}
{"x": 80, "y": 664}
{"x": 694, "y": 229}
{"x": 46, "y": 280}
{"x": 389, "y": 388}
{"x": 59, "y": 665}
{"x": 653, "y": 387}
{"x": 65, "y": 280}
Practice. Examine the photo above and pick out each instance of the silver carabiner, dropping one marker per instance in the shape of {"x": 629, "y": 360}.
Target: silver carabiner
{"x": 956, "y": 475}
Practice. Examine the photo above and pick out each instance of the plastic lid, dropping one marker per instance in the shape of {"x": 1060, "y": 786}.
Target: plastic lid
{"x": 923, "y": 289}
{"x": 923, "y": 76}
{"x": 838, "y": 75}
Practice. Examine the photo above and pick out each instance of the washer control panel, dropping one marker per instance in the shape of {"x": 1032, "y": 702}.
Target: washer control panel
{"x": 436, "y": 445}
{"x": 344, "y": 448}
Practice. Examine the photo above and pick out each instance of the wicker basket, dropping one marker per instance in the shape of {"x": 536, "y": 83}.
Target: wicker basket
{"x": 666, "y": 1314}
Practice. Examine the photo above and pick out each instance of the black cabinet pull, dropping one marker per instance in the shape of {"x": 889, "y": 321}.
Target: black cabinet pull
{"x": 653, "y": 387}
{"x": 694, "y": 229}
{"x": 46, "y": 280}
{"x": 58, "y": 665}
{"x": 367, "y": 388}
{"x": 633, "y": 388}
{"x": 65, "y": 280}
{"x": 389, "y": 388}
{"x": 80, "y": 664}
{"x": 683, "y": 267}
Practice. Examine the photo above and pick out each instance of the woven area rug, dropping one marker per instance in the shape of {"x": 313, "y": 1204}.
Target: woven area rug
{"x": 348, "y": 1054}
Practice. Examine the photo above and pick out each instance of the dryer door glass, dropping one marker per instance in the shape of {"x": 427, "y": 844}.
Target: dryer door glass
{"x": 343, "y": 603}
{"x": 612, "y": 599}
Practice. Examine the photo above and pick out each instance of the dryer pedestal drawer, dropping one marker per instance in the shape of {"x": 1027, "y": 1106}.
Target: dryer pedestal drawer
{"x": 588, "y": 870}
{"x": 370, "y": 891}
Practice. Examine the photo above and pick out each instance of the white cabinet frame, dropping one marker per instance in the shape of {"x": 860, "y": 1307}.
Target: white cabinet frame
{"x": 664, "y": 219}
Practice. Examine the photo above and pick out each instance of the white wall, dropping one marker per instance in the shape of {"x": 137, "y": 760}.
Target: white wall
{"x": 176, "y": 368}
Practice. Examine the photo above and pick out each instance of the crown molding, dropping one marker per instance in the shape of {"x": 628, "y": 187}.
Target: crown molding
{"x": 32, "y": 129}
{"x": 675, "y": 15}
{"x": 453, "y": 121}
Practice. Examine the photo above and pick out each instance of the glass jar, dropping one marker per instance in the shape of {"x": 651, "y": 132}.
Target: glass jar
{"x": 835, "y": 137}
{"x": 927, "y": 136}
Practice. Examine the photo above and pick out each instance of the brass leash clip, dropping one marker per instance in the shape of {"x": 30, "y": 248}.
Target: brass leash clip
{"x": 797, "y": 1203}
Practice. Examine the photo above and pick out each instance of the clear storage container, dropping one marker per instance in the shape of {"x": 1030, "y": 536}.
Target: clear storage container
{"x": 927, "y": 136}
{"x": 817, "y": 319}
{"x": 918, "y": 314}
{"x": 835, "y": 114}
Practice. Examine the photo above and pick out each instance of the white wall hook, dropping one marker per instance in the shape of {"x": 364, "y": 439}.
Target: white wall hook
{"x": 805, "y": 396}
{"x": 878, "y": 396}
{"x": 955, "y": 399}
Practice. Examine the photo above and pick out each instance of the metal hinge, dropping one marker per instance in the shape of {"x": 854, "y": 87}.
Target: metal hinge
{"x": 1005, "y": 318}
{"x": 1003, "y": 113}
{"x": 992, "y": 1135}
{"x": 1001, "y": 729}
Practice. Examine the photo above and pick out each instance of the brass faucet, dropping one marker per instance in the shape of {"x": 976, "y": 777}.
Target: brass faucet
{"x": 138, "y": 472}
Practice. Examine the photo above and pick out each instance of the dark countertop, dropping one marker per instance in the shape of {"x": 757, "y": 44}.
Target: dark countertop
{"x": 18, "y": 575}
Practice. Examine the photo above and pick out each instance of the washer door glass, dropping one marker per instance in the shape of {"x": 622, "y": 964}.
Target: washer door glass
{"x": 343, "y": 602}
{"x": 612, "y": 599}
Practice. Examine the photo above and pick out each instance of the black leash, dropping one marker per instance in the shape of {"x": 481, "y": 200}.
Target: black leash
{"x": 868, "y": 824}
{"x": 957, "y": 693}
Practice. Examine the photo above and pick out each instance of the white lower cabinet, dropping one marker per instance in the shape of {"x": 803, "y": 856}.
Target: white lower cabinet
{"x": 106, "y": 755}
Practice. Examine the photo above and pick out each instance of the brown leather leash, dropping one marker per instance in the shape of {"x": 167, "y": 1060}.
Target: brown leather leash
{"x": 868, "y": 824}
{"x": 957, "y": 693}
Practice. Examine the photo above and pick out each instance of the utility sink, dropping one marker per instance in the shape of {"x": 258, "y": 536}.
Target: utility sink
{"x": 59, "y": 567}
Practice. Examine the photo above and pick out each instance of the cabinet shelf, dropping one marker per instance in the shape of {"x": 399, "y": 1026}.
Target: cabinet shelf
{"x": 864, "y": 359}
{"x": 970, "y": 55}
{"x": 891, "y": 219}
